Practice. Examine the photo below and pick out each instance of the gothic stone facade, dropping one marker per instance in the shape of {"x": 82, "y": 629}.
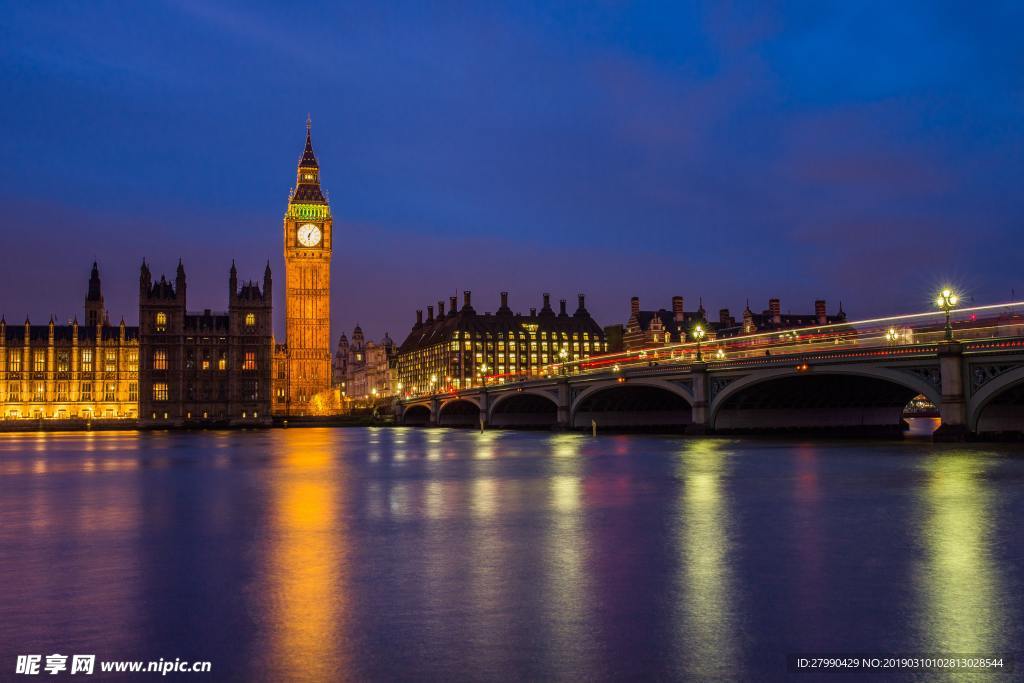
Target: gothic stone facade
{"x": 70, "y": 372}
{"x": 308, "y": 244}
{"x": 204, "y": 368}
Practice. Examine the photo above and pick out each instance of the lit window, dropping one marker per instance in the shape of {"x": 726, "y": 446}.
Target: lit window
{"x": 250, "y": 361}
{"x": 160, "y": 359}
{"x": 161, "y": 322}
{"x": 63, "y": 361}
{"x": 222, "y": 362}
{"x": 62, "y": 391}
{"x": 86, "y": 360}
{"x": 250, "y": 320}
{"x": 111, "y": 392}
{"x": 133, "y": 359}
{"x": 39, "y": 361}
{"x": 110, "y": 364}
{"x": 40, "y": 392}
{"x": 87, "y": 391}
{"x": 133, "y": 392}
{"x": 14, "y": 361}
{"x": 160, "y": 391}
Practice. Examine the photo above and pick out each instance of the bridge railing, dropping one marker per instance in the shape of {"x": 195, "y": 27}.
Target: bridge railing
{"x": 920, "y": 333}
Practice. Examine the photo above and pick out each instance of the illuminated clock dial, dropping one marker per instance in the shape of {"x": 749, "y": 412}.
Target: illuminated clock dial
{"x": 309, "y": 235}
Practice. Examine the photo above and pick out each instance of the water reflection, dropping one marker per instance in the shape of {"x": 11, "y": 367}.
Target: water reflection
{"x": 306, "y": 560}
{"x": 568, "y": 593}
{"x": 963, "y": 599}
{"x": 708, "y": 632}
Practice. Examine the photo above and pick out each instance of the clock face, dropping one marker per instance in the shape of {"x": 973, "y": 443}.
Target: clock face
{"x": 309, "y": 235}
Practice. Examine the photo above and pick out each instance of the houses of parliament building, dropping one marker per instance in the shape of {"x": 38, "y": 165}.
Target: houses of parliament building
{"x": 188, "y": 368}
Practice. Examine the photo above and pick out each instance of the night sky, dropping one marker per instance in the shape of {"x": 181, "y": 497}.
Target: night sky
{"x": 853, "y": 151}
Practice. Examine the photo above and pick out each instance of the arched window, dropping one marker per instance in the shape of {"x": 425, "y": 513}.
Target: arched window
{"x": 250, "y": 320}
{"x": 161, "y": 322}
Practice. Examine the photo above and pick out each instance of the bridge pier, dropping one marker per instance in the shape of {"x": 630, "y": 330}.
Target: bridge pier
{"x": 953, "y": 407}
{"x": 699, "y": 413}
{"x": 564, "y": 406}
{"x": 483, "y": 408}
{"x": 435, "y": 411}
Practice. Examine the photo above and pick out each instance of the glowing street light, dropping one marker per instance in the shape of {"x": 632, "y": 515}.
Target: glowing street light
{"x": 947, "y": 301}
{"x": 433, "y": 383}
{"x": 892, "y": 336}
{"x": 720, "y": 354}
{"x": 563, "y": 355}
{"x": 483, "y": 373}
{"x": 699, "y": 334}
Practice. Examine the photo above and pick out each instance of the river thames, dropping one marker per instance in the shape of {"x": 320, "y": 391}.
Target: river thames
{"x": 405, "y": 554}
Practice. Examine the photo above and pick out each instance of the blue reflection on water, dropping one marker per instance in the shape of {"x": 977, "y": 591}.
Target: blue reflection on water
{"x": 320, "y": 554}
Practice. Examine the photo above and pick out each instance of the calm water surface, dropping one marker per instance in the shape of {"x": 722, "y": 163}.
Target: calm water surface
{"x": 403, "y": 554}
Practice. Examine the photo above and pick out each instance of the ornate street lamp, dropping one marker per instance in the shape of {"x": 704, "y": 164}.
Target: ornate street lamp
{"x": 892, "y": 336}
{"x": 563, "y": 355}
{"x": 433, "y": 384}
{"x": 483, "y": 373}
{"x": 699, "y": 334}
{"x": 947, "y": 301}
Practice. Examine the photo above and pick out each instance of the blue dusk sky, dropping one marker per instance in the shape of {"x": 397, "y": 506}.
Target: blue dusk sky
{"x": 854, "y": 151}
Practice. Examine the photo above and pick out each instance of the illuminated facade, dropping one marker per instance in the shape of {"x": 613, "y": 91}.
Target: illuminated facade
{"x": 308, "y": 243}
{"x": 365, "y": 370}
{"x": 204, "y": 367}
{"x": 70, "y": 372}
{"x": 653, "y": 329}
{"x": 458, "y": 350}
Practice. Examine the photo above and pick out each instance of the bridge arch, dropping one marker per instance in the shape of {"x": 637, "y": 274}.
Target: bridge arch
{"x": 528, "y": 408}
{"x": 998, "y": 406}
{"x": 417, "y": 414}
{"x": 646, "y": 402}
{"x": 459, "y": 412}
{"x": 821, "y": 398}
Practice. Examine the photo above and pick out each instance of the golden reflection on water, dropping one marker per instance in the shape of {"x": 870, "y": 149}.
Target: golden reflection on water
{"x": 567, "y": 593}
{"x": 305, "y": 582}
{"x": 961, "y": 583}
{"x": 708, "y": 634}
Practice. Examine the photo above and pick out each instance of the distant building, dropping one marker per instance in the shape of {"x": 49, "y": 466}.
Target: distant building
{"x": 457, "y": 349}
{"x": 204, "y": 367}
{"x": 365, "y": 370}
{"x": 651, "y": 329}
{"x": 71, "y": 371}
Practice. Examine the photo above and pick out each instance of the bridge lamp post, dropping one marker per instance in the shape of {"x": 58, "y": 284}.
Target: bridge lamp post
{"x": 433, "y": 383}
{"x": 698, "y": 335}
{"x": 563, "y": 355}
{"x": 947, "y": 301}
{"x": 483, "y": 373}
{"x": 892, "y": 336}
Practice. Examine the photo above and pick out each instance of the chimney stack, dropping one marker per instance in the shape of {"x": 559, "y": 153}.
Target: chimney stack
{"x": 452, "y": 304}
{"x": 465, "y": 299}
{"x": 724, "y": 319}
{"x": 430, "y": 314}
{"x": 561, "y": 307}
{"x": 775, "y": 308}
{"x": 819, "y": 311}
{"x": 440, "y": 309}
{"x": 677, "y": 308}
{"x": 582, "y": 304}
{"x": 504, "y": 299}
{"x": 419, "y": 318}
{"x": 634, "y": 306}
{"x": 547, "y": 302}
{"x": 533, "y": 312}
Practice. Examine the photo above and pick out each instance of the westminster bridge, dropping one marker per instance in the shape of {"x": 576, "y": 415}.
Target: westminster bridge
{"x": 849, "y": 377}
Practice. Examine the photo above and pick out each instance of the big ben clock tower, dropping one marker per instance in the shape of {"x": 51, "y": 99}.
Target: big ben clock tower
{"x": 307, "y": 256}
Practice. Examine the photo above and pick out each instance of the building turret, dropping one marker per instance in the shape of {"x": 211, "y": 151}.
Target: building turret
{"x": 232, "y": 281}
{"x": 820, "y": 312}
{"x": 179, "y": 282}
{"x": 268, "y": 284}
{"x": 94, "y": 311}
